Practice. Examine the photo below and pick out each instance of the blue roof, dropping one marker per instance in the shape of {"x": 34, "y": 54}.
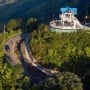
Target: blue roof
{"x": 66, "y": 9}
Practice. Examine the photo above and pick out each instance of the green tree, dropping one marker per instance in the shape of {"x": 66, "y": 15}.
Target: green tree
{"x": 31, "y": 20}
{"x": 13, "y": 24}
{"x": 12, "y": 78}
{"x": 31, "y": 24}
{"x": 63, "y": 81}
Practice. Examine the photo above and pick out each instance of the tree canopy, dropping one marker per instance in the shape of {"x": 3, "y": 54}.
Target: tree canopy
{"x": 62, "y": 51}
{"x": 13, "y": 24}
{"x": 63, "y": 81}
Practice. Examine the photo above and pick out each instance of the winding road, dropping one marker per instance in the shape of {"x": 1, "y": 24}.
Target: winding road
{"x": 36, "y": 72}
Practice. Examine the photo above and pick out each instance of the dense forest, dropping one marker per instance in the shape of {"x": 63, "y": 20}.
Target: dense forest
{"x": 65, "y": 52}
{"x": 68, "y": 53}
{"x": 12, "y": 78}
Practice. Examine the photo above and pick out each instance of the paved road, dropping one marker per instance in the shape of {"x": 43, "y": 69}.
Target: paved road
{"x": 36, "y": 71}
{"x": 29, "y": 59}
{"x": 34, "y": 62}
{"x": 35, "y": 74}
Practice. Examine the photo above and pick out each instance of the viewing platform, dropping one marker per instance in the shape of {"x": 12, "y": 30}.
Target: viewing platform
{"x": 67, "y": 21}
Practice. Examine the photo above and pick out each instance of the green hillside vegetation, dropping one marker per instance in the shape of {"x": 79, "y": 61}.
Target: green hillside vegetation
{"x": 68, "y": 53}
{"x": 62, "y": 51}
{"x": 64, "y": 81}
{"x": 11, "y": 78}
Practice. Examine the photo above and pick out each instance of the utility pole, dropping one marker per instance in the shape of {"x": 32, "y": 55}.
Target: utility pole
{"x": 86, "y": 17}
{"x": 4, "y": 27}
{"x": 3, "y": 40}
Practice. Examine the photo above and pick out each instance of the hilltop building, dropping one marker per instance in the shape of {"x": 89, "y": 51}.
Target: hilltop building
{"x": 67, "y": 21}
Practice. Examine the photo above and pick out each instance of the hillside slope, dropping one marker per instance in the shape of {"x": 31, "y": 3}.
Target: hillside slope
{"x": 42, "y": 9}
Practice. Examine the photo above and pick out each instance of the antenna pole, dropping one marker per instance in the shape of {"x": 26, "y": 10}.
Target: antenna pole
{"x": 4, "y": 27}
